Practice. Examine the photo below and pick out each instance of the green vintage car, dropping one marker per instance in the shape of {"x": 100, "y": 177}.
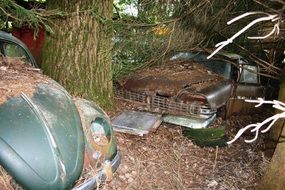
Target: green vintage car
{"x": 48, "y": 140}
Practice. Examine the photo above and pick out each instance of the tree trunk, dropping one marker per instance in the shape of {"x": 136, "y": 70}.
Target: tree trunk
{"x": 275, "y": 174}
{"x": 78, "y": 54}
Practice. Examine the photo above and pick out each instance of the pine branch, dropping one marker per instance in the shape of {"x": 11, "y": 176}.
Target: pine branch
{"x": 19, "y": 16}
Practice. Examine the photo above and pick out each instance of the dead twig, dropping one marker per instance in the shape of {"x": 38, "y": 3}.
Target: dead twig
{"x": 216, "y": 155}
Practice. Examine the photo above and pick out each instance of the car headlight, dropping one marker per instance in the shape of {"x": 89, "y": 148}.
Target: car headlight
{"x": 191, "y": 97}
{"x": 195, "y": 108}
{"x": 101, "y": 132}
{"x": 98, "y": 141}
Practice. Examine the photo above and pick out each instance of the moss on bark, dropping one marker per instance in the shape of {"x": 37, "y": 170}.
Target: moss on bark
{"x": 78, "y": 54}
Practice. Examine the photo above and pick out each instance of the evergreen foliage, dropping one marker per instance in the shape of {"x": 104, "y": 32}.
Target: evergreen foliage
{"x": 12, "y": 12}
{"x": 158, "y": 28}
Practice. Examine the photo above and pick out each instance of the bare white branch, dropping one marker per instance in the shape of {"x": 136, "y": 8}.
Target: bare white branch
{"x": 268, "y": 17}
{"x": 245, "y": 15}
{"x": 255, "y": 128}
{"x": 275, "y": 30}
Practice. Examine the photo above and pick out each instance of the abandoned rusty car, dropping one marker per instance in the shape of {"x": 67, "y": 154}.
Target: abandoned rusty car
{"x": 190, "y": 85}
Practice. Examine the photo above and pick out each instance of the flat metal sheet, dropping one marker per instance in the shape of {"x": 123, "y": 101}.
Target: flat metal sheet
{"x": 195, "y": 123}
{"x": 137, "y": 123}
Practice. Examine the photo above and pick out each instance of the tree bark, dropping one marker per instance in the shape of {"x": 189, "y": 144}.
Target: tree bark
{"x": 275, "y": 174}
{"x": 78, "y": 54}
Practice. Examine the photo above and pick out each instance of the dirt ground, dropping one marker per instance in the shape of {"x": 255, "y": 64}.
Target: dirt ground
{"x": 165, "y": 159}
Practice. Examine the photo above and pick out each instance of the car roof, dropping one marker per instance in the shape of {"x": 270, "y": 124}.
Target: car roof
{"x": 9, "y": 37}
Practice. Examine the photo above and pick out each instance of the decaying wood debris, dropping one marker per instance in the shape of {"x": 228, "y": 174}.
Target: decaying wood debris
{"x": 168, "y": 160}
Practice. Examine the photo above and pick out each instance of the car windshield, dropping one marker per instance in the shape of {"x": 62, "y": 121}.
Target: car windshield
{"x": 218, "y": 67}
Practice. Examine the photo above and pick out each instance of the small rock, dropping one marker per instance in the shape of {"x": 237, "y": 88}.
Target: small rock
{"x": 3, "y": 68}
{"x": 130, "y": 180}
{"x": 128, "y": 175}
{"x": 213, "y": 183}
{"x": 122, "y": 177}
{"x": 166, "y": 172}
{"x": 131, "y": 158}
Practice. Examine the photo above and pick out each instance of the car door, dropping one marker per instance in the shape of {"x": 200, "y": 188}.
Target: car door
{"x": 247, "y": 86}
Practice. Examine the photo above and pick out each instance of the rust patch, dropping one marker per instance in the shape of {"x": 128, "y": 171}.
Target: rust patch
{"x": 171, "y": 77}
{"x": 16, "y": 76}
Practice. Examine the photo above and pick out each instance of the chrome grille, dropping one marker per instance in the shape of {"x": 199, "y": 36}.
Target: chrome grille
{"x": 156, "y": 103}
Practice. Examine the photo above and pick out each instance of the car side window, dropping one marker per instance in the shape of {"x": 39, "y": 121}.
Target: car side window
{"x": 249, "y": 74}
{"x": 14, "y": 50}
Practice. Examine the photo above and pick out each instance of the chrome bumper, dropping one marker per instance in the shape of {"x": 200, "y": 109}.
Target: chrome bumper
{"x": 109, "y": 167}
{"x": 190, "y": 122}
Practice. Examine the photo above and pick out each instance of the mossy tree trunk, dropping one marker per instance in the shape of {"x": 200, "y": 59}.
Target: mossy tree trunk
{"x": 78, "y": 54}
{"x": 274, "y": 177}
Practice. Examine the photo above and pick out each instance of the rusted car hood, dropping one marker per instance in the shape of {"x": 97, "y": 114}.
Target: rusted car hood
{"x": 177, "y": 77}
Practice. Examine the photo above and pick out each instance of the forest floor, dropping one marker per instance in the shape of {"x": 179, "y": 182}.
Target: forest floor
{"x": 165, "y": 159}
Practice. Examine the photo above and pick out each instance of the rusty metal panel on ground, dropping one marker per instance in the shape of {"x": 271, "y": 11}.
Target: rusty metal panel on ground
{"x": 189, "y": 122}
{"x": 136, "y": 123}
